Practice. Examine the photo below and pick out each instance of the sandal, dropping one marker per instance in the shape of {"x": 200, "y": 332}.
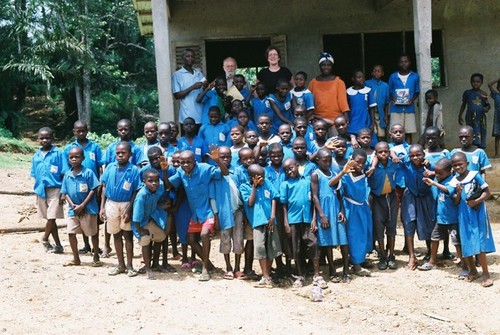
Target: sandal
{"x": 487, "y": 282}
{"x": 204, "y": 277}
{"x": 46, "y": 244}
{"x": 116, "y": 271}
{"x": 299, "y": 282}
{"x": 320, "y": 282}
{"x": 426, "y": 267}
{"x": 463, "y": 274}
{"x": 186, "y": 266}
{"x": 363, "y": 273}
{"x": 229, "y": 275}
{"x": 252, "y": 276}
{"x": 132, "y": 273}
{"x": 346, "y": 278}
{"x": 71, "y": 263}
{"x": 168, "y": 268}
{"x": 335, "y": 278}
{"x": 56, "y": 249}
{"x": 240, "y": 275}
{"x": 84, "y": 250}
{"x": 470, "y": 278}
{"x": 97, "y": 264}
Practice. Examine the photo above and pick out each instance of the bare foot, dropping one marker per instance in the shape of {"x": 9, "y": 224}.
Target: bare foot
{"x": 412, "y": 265}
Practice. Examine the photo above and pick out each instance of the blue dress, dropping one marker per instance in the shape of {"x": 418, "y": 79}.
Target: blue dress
{"x": 336, "y": 233}
{"x": 473, "y": 224}
{"x": 359, "y": 217}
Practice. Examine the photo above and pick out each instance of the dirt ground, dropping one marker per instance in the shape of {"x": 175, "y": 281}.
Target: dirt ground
{"x": 40, "y": 296}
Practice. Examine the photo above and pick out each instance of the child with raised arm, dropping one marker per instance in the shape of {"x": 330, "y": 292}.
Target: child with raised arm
{"x": 191, "y": 141}
{"x": 473, "y": 221}
{"x": 120, "y": 183}
{"x": 282, "y": 102}
{"x": 495, "y": 95}
{"x": 381, "y": 94}
{"x": 48, "y": 167}
{"x": 259, "y": 200}
{"x": 214, "y": 95}
{"x": 300, "y": 221}
{"x": 124, "y": 130}
{"x": 476, "y": 101}
{"x": 302, "y": 95}
{"x": 79, "y": 186}
{"x": 149, "y": 220}
{"x": 331, "y": 223}
{"x": 355, "y": 192}
{"x": 195, "y": 177}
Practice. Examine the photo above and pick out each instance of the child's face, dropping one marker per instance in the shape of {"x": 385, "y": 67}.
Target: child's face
{"x": 246, "y": 158}
{"x": 300, "y": 128}
{"x": 236, "y": 136}
{"x": 459, "y": 165}
{"x": 187, "y": 163}
{"x": 225, "y": 156}
{"x": 45, "y": 138}
{"x": 239, "y": 82}
{"x": 164, "y": 134}
{"x": 257, "y": 175}
{"x": 122, "y": 154}
{"x": 264, "y": 125}
{"x": 378, "y": 72}
{"x": 251, "y": 137}
{"x": 282, "y": 89}
{"x": 123, "y": 129}
{"x": 300, "y": 81}
{"x": 398, "y": 134}
{"x": 360, "y": 164}
{"x": 299, "y": 149}
{"x": 341, "y": 126}
{"x": 326, "y": 67}
{"x": 358, "y": 79}
{"x": 263, "y": 157}
{"x": 261, "y": 91}
{"x": 220, "y": 86}
{"x": 176, "y": 160}
{"x": 340, "y": 149}
{"x": 300, "y": 111}
{"x": 476, "y": 82}
{"x": 382, "y": 153}
{"x": 243, "y": 119}
{"x": 441, "y": 173}
{"x": 188, "y": 126}
{"x": 466, "y": 138}
{"x": 324, "y": 161}
{"x": 214, "y": 117}
{"x": 150, "y": 132}
{"x": 174, "y": 131}
{"x": 320, "y": 130}
{"x": 430, "y": 99}
{"x": 416, "y": 156}
{"x": 276, "y": 157}
{"x": 291, "y": 169}
{"x": 80, "y": 133}
{"x": 364, "y": 140}
{"x": 154, "y": 159}
{"x": 152, "y": 182}
{"x": 75, "y": 157}
{"x": 432, "y": 139}
{"x": 285, "y": 133}
{"x": 236, "y": 107}
{"x": 404, "y": 64}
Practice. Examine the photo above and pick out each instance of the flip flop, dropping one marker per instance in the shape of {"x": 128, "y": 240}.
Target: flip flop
{"x": 346, "y": 278}
{"x": 252, "y": 276}
{"x": 487, "y": 282}
{"x": 186, "y": 266}
{"x": 71, "y": 263}
{"x": 97, "y": 264}
{"x": 240, "y": 275}
{"x": 473, "y": 278}
{"x": 335, "y": 278}
{"x": 229, "y": 275}
{"x": 116, "y": 271}
{"x": 132, "y": 273}
{"x": 204, "y": 277}
{"x": 463, "y": 274}
{"x": 363, "y": 273}
{"x": 425, "y": 267}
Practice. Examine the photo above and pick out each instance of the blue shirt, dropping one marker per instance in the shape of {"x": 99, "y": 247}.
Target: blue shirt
{"x": 304, "y": 98}
{"x": 78, "y": 188}
{"x": 234, "y": 122}
{"x": 377, "y": 180}
{"x": 241, "y": 175}
{"x": 401, "y": 151}
{"x": 476, "y": 102}
{"x": 211, "y": 98}
{"x": 296, "y": 193}
{"x": 275, "y": 177}
{"x": 146, "y": 208}
{"x": 223, "y": 193}
{"x": 381, "y": 94}
{"x": 145, "y": 147}
{"x": 434, "y": 157}
{"x": 181, "y": 80}
{"x": 446, "y": 210}
{"x": 48, "y": 170}
{"x": 197, "y": 146}
{"x": 396, "y": 87}
{"x": 261, "y": 107}
{"x": 93, "y": 155}
{"x": 196, "y": 185}
{"x": 215, "y": 134}
{"x": 260, "y": 213}
{"x": 478, "y": 159}
{"x": 286, "y": 109}
{"x": 121, "y": 183}
{"x": 413, "y": 178}
{"x": 136, "y": 158}
{"x": 360, "y": 101}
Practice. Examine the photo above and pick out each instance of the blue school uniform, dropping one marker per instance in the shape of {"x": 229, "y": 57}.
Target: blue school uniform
{"x": 378, "y": 178}
{"x": 309, "y": 136}
{"x": 276, "y": 178}
{"x": 417, "y": 203}
{"x": 381, "y": 94}
{"x": 259, "y": 214}
{"x": 397, "y": 88}
{"x": 215, "y": 134}
{"x": 121, "y": 182}
{"x": 197, "y": 145}
{"x": 360, "y": 101}
{"x": 304, "y": 98}
{"x": 196, "y": 185}
{"x": 285, "y": 107}
{"x": 475, "y": 115}
{"x": 446, "y": 210}
{"x": 78, "y": 187}
{"x": 226, "y": 195}
{"x": 434, "y": 157}
{"x": 477, "y": 159}
{"x": 182, "y": 214}
{"x": 241, "y": 175}
{"x": 136, "y": 158}
{"x": 401, "y": 151}
{"x": 307, "y": 168}
{"x": 473, "y": 224}
{"x": 211, "y": 98}
{"x": 145, "y": 147}
{"x": 93, "y": 155}
{"x": 287, "y": 150}
{"x": 48, "y": 170}
{"x": 146, "y": 208}
{"x": 336, "y": 234}
{"x": 261, "y": 107}
{"x": 296, "y": 193}
{"x": 359, "y": 217}
{"x": 250, "y": 126}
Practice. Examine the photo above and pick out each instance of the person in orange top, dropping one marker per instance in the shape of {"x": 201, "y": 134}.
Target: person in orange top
{"x": 329, "y": 91}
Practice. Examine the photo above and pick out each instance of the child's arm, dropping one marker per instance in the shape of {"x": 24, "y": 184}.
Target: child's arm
{"x": 431, "y": 182}
{"x": 373, "y": 111}
{"x": 78, "y": 209}
{"x": 491, "y": 85}
{"x": 456, "y": 198}
{"x": 484, "y": 196}
{"x": 255, "y": 183}
{"x": 460, "y": 114}
{"x": 341, "y": 216}
{"x": 288, "y": 230}
{"x": 200, "y": 96}
{"x": 277, "y": 111}
{"x": 128, "y": 213}
{"x": 214, "y": 154}
{"x": 102, "y": 212}
{"x": 270, "y": 223}
{"x": 354, "y": 141}
{"x": 372, "y": 167}
{"x": 315, "y": 193}
{"x": 314, "y": 226}
{"x": 348, "y": 168}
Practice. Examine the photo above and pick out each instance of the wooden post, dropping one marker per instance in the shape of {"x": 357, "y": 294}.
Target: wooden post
{"x": 162, "y": 57}
{"x": 422, "y": 25}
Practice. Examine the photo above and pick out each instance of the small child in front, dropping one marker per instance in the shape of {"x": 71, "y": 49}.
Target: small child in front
{"x": 120, "y": 182}
{"x": 149, "y": 220}
{"x": 300, "y": 221}
{"x": 79, "y": 186}
{"x": 259, "y": 200}
{"x": 48, "y": 167}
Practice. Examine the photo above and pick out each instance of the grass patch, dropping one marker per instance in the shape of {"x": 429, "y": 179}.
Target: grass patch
{"x": 10, "y": 160}
{"x": 15, "y": 146}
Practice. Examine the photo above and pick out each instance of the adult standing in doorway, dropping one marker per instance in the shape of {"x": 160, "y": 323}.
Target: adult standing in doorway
{"x": 329, "y": 91}
{"x": 229, "y": 65}
{"x": 187, "y": 83}
{"x": 274, "y": 72}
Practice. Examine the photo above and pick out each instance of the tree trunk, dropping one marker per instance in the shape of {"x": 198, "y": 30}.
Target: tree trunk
{"x": 86, "y": 115}
{"x": 79, "y": 99}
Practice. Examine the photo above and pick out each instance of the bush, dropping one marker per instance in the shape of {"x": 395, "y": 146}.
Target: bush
{"x": 103, "y": 140}
{"x": 15, "y": 146}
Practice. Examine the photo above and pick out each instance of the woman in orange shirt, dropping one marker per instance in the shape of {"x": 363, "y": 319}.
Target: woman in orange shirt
{"x": 329, "y": 91}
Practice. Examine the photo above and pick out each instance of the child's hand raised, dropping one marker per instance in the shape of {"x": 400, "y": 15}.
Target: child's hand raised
{"x": 214, "y": 152}
{"x": 257, "y": 180}
{"x": 428, "y": 181}
{"x": 332, "y": 144}
{"x": 349, "y": 167}
{"x": 164, "y": 164}
{"x": 370, "y": 171}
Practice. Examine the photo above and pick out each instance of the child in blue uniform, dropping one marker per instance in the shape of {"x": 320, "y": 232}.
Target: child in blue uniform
{"x": 477, "y": 157}
{"x": 473, "y": 222}
{"x": 299, "y": 149}
{"x": 166, "y": 132}
{"x": 214, "y": 95}
{"x": 362, "y": 105}
{"x": 300, "y": 221}
{"x": 302, "y": 95}
{"x": 331, "y": 225}
{"x": 495, "y": 95}
{"x": 321, "y": 136}
{"x": 215, "y": 132}
{"x": 151, "y": 135}
{"x": 300, "y": 113}
{"x": 260, "y": 105}
{"x": 124, "y": 130}
{"x": 282, "y": 103}
{"x": 191, "y": 141}
{"x": 238, "y": 143}
{"x": 79, "y": 187}
{"x": 355, "y": 192}
{"x": 476, "y": 101}
{"x": 120, "y": 182}
{"x": 285, "y": 134}
{"x": 48, "y": 167}
{"x": 381, "y": 94}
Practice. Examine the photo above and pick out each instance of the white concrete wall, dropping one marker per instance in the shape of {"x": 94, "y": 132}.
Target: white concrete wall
{"x": 470, "y": 31}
